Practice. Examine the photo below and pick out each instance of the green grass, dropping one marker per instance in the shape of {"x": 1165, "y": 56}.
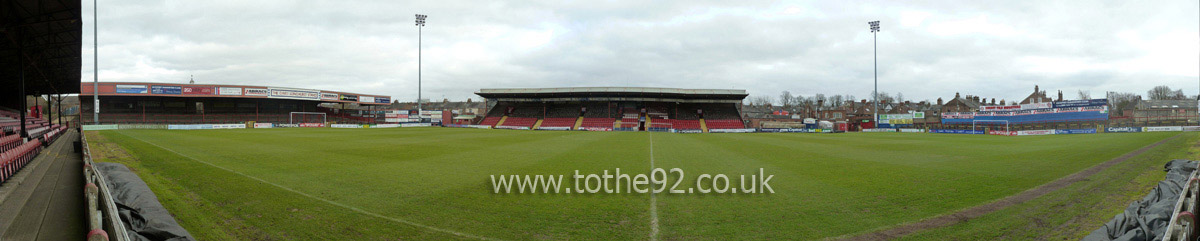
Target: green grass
{"x": 826, "y": 185}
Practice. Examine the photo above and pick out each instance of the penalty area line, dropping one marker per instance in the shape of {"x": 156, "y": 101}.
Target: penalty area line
{"x": 358, "y": 210}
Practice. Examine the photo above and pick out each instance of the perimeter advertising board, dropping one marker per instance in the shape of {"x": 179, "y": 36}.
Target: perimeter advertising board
{"x": 1075, "y": 131}
{"x": 1035, "y": 132}
{"x": 1123, "y": 129}
{"x": 294, "y": 94}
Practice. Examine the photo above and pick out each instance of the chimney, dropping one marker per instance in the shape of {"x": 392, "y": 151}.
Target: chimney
{"x": 1001, "y": 102}
{"x": 993, "y": 101}
{"x": 939, "y": 100}
{"x": 1035, "y": 88}
{"x": 956, "y": 95}
{"x": 1059, "y": 95}
{"x": 864, "y": 101}
{"x": 975, "y": 98}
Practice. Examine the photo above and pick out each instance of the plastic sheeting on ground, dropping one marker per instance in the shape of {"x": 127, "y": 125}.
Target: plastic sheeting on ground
{"x": 1147, "y": 219}
{"x": 144, "y": 217}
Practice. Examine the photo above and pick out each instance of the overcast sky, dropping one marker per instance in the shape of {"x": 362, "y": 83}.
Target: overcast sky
{"x": 927, "y": 49}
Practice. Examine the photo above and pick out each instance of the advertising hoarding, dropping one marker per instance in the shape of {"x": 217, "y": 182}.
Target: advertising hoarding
{"x": 131, "y": 89}
{"x": 191, "y": 90}
{"x": 229, "y": 91}
{"x": 166, "y": 90}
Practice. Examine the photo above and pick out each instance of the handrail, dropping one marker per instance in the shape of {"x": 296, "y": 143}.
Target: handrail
{"x": 104, "y": 222}
{"x": 1182, "y": 225}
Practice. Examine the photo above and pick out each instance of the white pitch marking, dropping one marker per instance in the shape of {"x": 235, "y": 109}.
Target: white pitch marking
{"x": 466, "y": 235}
{"x": 653, "y": 200}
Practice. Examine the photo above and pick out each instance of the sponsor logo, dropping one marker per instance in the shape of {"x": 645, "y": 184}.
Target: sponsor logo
{"x": 1035, "y": 132}
{"x": 264, "y": 125}
{"x": 198, "y": 90}
{"x": 1163, "y": 128}
{"x": 948, "y": 131}
{"x": 131, "y": 89}
{"x": 295, "y": 94}
{"x": 1123, "y": 129}
{"x": 366, "y": 99}
{"x": 329, "y": 96}
{"x": 229, "y": 91}
{"x": 731, "y": 130}
{"x": 383, "y": 100}
{"x": 190, "y": 127}
{"x": 345, "y": 126}
{"x": 349, "y": 98}
{"x": 312, "y": 125}
{"x": 287, "y": 125}
{"x": 1075, "y": 131}
{"x": 229, "y": 126}
{"x": 258, "y": 92}
{"x": 1080, "y": 103}
{"x": 1002, "y": 133}
{"x": 555, "y": 128}
{"x": 166, "y": 90}
{"x": 427, "y": 125}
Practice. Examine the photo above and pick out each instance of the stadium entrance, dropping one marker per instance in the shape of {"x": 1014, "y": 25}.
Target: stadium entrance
{"x": 614, "y": 109}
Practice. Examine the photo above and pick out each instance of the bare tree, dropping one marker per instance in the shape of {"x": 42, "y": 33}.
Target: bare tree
{"x": 786, "y": 99}
{"x": 1084, "y": 95}
{"x": 1163, "y": 92}
{"x": 761, "y": 100}
{"x": 1120, "y": 101}
{"x": 836, "y": 100}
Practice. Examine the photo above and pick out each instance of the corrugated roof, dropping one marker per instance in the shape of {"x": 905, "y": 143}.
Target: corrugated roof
{"x": 648, "y": 90}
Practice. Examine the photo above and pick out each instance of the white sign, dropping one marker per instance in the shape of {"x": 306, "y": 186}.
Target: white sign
{"x": 229, "y": 91}
{"x": 731, "y": 131}
{"x": 1162, "y": 128}
{"x": 366, "y": 99}
{"x": 345, "y": 126}
{"x": 229, "y": 126}
{"x": 264, "y": 125}
{"x": 295, "y": 94}
{"x": 329, "y": 96}
{"x": 257, "y": 92}
{"x": 1035, "y": 132}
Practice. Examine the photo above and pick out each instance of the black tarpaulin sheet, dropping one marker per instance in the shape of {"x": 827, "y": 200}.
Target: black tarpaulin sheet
{"x": 1147, "y": 219}
{"x": 144, "y": 217}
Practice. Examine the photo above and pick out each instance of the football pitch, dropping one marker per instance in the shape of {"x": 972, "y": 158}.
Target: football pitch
{"x": 434, "y": 183}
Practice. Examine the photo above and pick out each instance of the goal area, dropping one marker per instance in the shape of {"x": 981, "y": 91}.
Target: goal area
{"x": 306, "y": 117}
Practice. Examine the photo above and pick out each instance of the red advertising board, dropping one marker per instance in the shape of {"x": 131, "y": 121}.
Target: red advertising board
{"x": 189, "y": 90}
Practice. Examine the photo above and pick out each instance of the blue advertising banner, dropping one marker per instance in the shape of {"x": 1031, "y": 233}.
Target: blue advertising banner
{"x": 945, "y": 131}
{"x": 1080, "y": 103}
{"x": 383, "y": 100}
{"x": 1075, "y": 131}
{"x": 1123, "y": 129}
{"x": 131, "y": 89}
{"x": 166, "y": 90}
